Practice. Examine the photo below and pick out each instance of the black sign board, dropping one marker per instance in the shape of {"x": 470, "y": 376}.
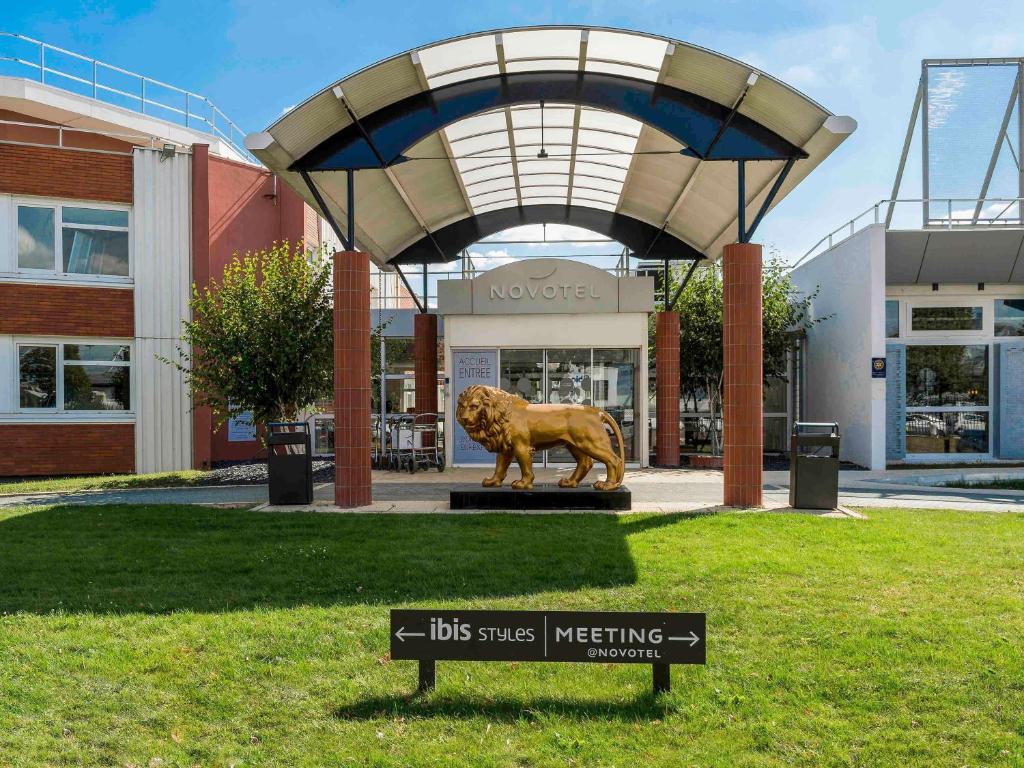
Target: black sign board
{"x": 877, "y": 367}
{"x": 659, "y": 639}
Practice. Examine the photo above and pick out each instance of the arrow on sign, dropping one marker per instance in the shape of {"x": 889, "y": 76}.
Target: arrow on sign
{"x": 692, "y": 639}
{"x": 401, "y": 634}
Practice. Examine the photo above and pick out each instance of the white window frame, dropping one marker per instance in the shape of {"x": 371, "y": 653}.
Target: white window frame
{"x": 58, "y": 206}
{"x": 59, "y": 409}
{"x": 956, "y": 338}
{"x": 907, "y": 315}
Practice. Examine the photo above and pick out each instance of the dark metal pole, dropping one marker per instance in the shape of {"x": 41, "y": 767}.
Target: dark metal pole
{"x": 351, "y": 209}
{"x": 741, "y": 215}
{"x": 770, "y": 198}
{"x": 682, "y": 285}
{"x": 428, "y": 675}
{"x": 426, "y": 301}
{"x": 408, "y": 287}
{"x": 664, "y": 285}
{"x": 662, "y": 678}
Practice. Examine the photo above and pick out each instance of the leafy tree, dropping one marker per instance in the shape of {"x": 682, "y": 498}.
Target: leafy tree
{"x": 261, "y": 338}
{"x": 786, "y": 317}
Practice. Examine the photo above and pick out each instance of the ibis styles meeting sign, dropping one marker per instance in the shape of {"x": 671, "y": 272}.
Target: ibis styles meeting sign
{"x": 659, "y": 639}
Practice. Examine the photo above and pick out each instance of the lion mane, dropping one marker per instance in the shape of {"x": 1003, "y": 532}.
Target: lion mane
{"x": 492, "y": 430}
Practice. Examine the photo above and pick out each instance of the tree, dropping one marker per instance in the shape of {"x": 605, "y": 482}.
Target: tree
{"x": 786, "y": 317}
{"x": 261, "y": 339}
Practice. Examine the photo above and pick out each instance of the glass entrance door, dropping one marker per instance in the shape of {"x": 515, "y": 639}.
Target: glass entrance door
{"x": 605, "y": 378}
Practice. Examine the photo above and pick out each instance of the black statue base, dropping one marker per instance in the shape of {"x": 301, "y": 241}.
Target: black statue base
{"x": 542, "y": 497}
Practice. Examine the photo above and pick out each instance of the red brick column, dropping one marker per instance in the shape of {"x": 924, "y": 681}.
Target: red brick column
{"x": 742, "y": 357}
{"x": 351, "y": 379}
{"x": 666, "y": 360}
{"x": 425, "y": 354}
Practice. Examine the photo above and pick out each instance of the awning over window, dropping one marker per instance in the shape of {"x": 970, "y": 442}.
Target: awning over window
{"x": 630, "y": 132}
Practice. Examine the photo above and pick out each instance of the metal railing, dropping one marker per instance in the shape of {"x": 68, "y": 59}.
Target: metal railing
{"x": 123, "y": 88}
{"x": 927, "y": 214}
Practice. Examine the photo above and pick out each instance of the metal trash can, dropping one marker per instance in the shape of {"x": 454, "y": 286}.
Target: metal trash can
{"x": 289, "y": 462}
{"x": 814, "y": 466}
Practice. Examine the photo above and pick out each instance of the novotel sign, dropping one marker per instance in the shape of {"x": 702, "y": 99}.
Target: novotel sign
{"x": 549, "y": 291}
{"x": 658, "y": 639}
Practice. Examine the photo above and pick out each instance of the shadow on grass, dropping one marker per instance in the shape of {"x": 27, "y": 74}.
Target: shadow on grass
{"x": 502, "y": 708}
{"x": 156, "y": 559}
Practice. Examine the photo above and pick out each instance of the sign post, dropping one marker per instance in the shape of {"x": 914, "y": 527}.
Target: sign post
{"x": 658, "y": 639}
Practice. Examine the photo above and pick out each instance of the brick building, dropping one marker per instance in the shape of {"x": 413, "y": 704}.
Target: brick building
{"x": 107, "y": 217}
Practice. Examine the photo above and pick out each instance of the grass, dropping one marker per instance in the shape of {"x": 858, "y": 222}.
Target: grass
{"x": 218, "y": 638}
{"x": 995, "y": 485}
{"x": 101, "y": 482}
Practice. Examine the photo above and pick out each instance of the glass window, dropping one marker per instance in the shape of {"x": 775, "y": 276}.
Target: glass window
{"x": 1009, "y": 317}
{"x": 37, "y": 377}
{"x": 323, "y": 435}
{"x": 892, "y": 319}
{"x": 93, "y": 241}
{"x": 35, "y": 237}
{"x": 945, "y": 318}
{"x": 947, "y": 432}
{"x": 614, "y": 388}
{"x": 521, "y": 373}
{"x": 775, "y": 437}
{"x": 947, "y": 375}
{"x": 97, "y": 377}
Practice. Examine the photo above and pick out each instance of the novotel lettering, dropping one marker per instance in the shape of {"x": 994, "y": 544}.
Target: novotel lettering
{"x": 550, "y": 291}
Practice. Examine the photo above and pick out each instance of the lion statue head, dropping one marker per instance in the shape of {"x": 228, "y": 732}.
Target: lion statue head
{"x": 484, "y": 413}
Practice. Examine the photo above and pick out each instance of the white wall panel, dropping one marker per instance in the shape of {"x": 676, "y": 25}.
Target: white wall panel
{"x": 8, "y": 241}
{"x": 161, "y": 232}
{"x": 851, "y": 278}
{"x": 8, "y": 375}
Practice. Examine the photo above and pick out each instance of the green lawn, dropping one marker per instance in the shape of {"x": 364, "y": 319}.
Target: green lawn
{"x": 217, "y": 638}
{"x": 101, "y": 482}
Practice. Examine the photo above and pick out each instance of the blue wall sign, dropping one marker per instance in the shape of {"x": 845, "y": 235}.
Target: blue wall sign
{"x": 877, "y": 367}
{"x": 470, "y": 366}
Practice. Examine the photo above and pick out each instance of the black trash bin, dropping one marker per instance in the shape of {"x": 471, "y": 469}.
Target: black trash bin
{"x": 814, "y": 466}
{"x": 289, "y": 463}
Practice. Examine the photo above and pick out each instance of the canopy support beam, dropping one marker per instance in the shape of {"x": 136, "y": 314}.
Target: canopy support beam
{"x": 679, "y": 291}
{"x": 772, "y": 193}
{"x": 408, "y": 287}
{"x": 347, "y": 242}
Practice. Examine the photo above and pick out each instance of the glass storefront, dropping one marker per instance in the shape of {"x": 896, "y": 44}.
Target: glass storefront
{"x": 604, "y": 378}
{"x": 947, "y": 398}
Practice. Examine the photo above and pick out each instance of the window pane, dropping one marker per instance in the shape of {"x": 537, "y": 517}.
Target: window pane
{"x": 35, "y": 238}
{"x": 568, "y": 382}
{"x": 521, "y": 373}
{"x": 892, "y": 319}
{"x": 37, "y": 377}
{"x": 95, "y": 252}
{"x": 398, "y": 355}
{"x": 99, "y": 216}
{"x": 945, "y": 318}
{"x": 1010, "y": 317}
{"x": 98, "y": 352}
{"x": 614, "y": 388}
{"x": 950, "y": 432}
{"x": 96, "y": 387}
{"x": 950, "y": 374}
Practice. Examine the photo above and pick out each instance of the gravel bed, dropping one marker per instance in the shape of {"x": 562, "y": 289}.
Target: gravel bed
{"x": 255, "y": 473}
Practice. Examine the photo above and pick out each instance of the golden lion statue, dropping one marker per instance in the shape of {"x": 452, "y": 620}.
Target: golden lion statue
{"x": 512, "y": 428}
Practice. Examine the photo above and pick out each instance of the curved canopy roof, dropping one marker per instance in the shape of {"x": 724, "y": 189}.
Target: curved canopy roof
{"x": 620, "y": 130}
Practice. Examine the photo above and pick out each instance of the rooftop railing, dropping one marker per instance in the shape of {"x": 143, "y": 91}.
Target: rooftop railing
{"x": 120, "y": 87}
{"x": 947, "y": 213}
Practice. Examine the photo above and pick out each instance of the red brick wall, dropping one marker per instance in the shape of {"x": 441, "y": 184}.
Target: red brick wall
{"x": 234, "y": 210}
{"x": 68, "y": 173}
{"x": 67, "y": 449}
{"x": 64, "y": 310}
{"x": 743, "y": 398}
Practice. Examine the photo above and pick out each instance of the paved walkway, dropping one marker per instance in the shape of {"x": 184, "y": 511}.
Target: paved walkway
{"x": 654, "y": 490}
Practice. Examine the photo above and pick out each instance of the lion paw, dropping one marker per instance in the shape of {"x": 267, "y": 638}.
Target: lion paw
{"x": 567, "y": 482}
{"x": 491, "y": 482}
{"x": 522, "y": 485}
{"x": 605, "y": 485}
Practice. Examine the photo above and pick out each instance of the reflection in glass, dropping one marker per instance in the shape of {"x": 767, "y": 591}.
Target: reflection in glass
{"x": 95, "y": 252}
{"x": 96, "y": 387}
{"x": 98, "y": 216}
{"x": 569, "y": 382}
{"x": 37, "y": 377}
{"x": 323, "y": 435}
{"x": 614, "y": 387}
{"x": 1009, "y": 317}
{"x": 521, "y": 373}
{"x": 949, "y": 374}
{"x": 947, "y": 432}
{"x": 775, "y": 433}
{"x": 97, "y": 352}
{"x": 892, "y": 319}
{"x": 400, "y": 395}
{"x": 945, "y": 318}
{"x": 35, "y": 238}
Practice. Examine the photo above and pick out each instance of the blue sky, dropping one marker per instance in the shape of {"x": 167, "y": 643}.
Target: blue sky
{"x": 256, "y": 58}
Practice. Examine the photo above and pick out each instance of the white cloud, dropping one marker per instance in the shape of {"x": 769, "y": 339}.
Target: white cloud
{"x": 944, "y": 89}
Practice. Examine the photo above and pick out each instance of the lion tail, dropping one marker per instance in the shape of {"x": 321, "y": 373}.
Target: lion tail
{"x": 618, "y": 436}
